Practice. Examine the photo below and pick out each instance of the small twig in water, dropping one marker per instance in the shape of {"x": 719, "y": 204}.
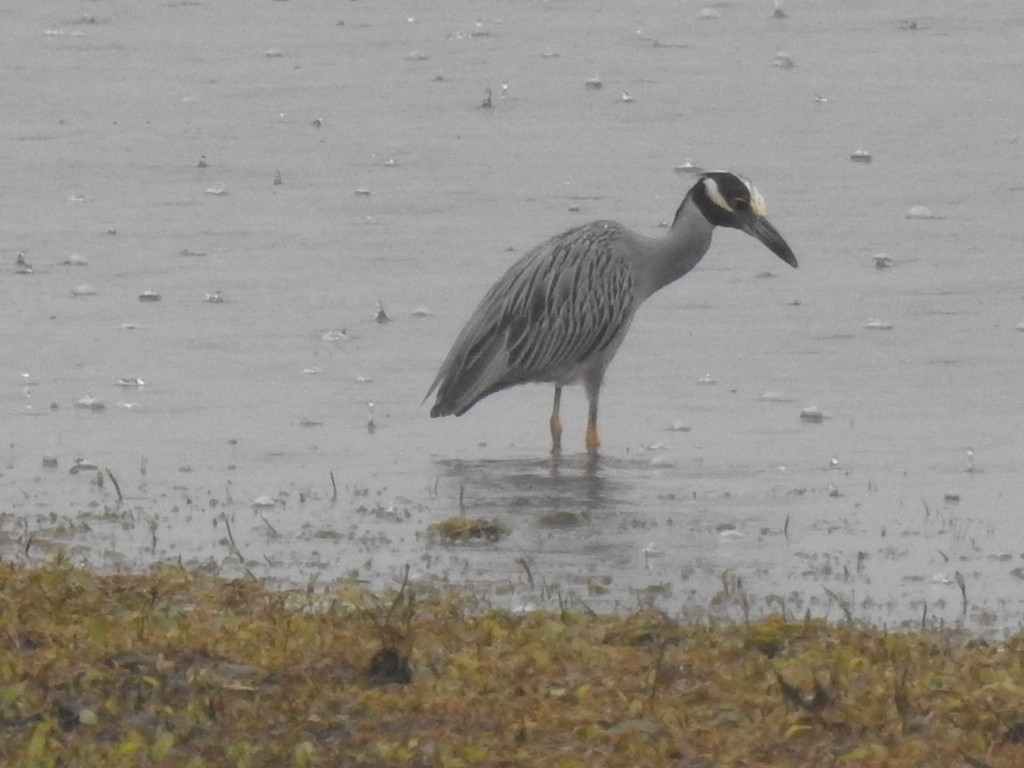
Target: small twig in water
{"x": 117, "y": 485}
{"x": 785, "y": 528}
{"x": 843, "y": 605}
{"x": 231, "y": 537}
{"x": 963, "y": 591}
{"x": 334, "y": 488}
{"x": 273, "y": 531}
{"x": 521, "y": 561}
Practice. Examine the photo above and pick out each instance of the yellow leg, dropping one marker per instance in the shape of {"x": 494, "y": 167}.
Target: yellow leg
{"x": 593, "y": 443}
{"x": 556, "y": 424}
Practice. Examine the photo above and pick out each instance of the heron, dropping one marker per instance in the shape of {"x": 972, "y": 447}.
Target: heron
{"x": 559, "y": 314}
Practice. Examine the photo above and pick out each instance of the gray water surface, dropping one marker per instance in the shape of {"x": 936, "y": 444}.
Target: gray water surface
{"x": 711, "y": 494}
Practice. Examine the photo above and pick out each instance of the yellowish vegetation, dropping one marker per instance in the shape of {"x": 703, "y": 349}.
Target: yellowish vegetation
{"x": 175, "y": 668}
{"x": 454, "y": 529}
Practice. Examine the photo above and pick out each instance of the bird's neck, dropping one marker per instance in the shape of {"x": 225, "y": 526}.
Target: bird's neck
{"x": 678, "y": 251}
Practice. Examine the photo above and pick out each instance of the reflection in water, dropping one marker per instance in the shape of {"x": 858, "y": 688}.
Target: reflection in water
{"x": 584, "y": 482}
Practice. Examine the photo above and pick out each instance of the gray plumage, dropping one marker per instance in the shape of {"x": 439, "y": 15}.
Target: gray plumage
{"x": 560, "y": 313}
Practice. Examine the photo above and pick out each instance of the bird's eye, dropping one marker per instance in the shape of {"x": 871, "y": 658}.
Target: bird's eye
{"x": 739, "y": 204}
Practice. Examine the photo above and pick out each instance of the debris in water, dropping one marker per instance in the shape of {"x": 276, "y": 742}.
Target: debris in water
{"x": 382, "y": 316}
{"x": 150, "y": 296}
{"x": 135, "y": 383}
{"x": 920, "y": 212}
{"x": 860, "y": 156}
{"x": 81, "y": 465}
{"x": 90, "y": 403}
{"x": 878, "y": 325}
{"x": 561, "y": 518}
{"x": 812, "y": 415}
{"x": 652, "y": 550}
{"x": 454, "y": 529}
{"x": 687, "y": 166}
{"x": 83, "y": 290}
{"x": 783, "y": 60}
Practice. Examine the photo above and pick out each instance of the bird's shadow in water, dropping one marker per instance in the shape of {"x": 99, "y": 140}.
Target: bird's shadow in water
{"x": 588, "y": 483}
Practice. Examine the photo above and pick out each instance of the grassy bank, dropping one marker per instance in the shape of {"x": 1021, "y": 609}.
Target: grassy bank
{"x": 180, "y": 669}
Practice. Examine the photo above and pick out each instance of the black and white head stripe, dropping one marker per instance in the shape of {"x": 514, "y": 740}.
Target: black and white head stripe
{"x": 734, "y": 194}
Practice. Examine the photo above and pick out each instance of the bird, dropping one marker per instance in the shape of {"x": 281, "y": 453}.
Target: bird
{"x": 559, "y": 313}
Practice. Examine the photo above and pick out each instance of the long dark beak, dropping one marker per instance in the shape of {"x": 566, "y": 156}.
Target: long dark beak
{"x": 760, "y": 228}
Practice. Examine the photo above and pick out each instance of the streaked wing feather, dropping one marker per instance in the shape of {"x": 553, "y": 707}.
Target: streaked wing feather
{"x": 563, "y": 302}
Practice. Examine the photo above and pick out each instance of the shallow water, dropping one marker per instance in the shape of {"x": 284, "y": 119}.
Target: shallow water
{"x": 708, "y": 496}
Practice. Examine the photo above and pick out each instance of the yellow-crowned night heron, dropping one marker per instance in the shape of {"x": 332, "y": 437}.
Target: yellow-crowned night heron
{"x": 559, "y": 313}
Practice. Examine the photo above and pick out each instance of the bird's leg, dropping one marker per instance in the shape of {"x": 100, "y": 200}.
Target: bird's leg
{"x": 556, "y": 423}
{"x": 592, "y": 382}
{"x": 592, "y": 441}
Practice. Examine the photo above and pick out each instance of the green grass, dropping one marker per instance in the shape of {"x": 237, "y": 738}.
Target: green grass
{"x": 175, "y": 668}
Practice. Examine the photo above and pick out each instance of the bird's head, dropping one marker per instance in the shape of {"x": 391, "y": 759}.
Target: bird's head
{"x": 727, "y": 200}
